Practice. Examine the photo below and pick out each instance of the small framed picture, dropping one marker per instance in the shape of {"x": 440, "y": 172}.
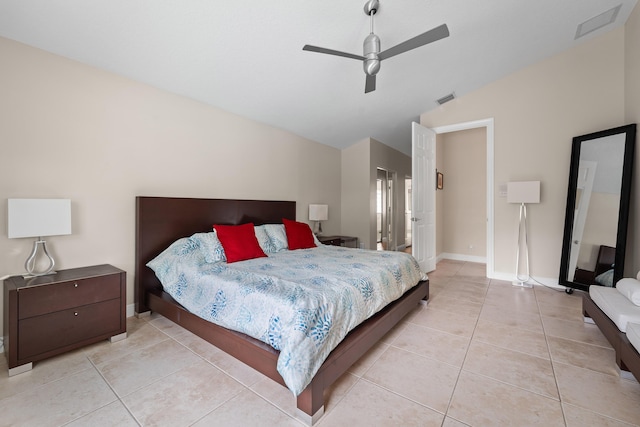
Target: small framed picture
{"x": 439, "y": 180}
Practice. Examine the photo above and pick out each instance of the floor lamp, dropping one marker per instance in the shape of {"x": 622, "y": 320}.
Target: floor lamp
{"x": 523, "y": 192}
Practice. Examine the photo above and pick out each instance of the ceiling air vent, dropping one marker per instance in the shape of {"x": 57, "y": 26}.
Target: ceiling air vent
{"x": 597, "y": 22}
{"x": 446, "y": 98}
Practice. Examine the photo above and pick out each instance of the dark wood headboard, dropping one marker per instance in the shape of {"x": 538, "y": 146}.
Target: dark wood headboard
{"x": 162, "y": 220}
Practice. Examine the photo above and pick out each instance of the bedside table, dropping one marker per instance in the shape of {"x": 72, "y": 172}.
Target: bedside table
{"x": 48, "y": 315}
{"x": 346, "y": 241}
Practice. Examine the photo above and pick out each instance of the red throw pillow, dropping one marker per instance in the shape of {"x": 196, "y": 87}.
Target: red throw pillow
{"x": 299, "y": 234}
{"x": 239, "y": 242}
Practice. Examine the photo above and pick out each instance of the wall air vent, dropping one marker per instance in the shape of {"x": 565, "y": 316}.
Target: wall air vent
{"x": 597, "y": 22}
{"x": 446, "y": 98}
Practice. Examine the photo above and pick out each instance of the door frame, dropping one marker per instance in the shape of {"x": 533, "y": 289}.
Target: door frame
{"x": 489, "y": 125}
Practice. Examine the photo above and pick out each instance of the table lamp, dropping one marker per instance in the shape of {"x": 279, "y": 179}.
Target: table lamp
{"x": 38, "y": 218}
{"x": 318, "y": 213}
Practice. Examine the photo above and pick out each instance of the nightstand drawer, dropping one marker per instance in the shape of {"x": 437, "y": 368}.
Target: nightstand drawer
{"x": 49, "y": 332}
{"x": 61, "y": 296}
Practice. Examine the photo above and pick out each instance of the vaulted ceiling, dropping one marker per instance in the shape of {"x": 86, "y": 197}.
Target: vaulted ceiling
{"x": 246, "y": 56}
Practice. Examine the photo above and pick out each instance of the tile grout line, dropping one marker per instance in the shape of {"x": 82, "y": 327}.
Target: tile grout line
{"x": 466, "y": 353}
{"x": 118, "y": 397}
{"x": 553, "y": 368}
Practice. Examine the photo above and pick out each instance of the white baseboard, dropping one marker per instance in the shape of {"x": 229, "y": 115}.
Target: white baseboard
{"x": 497, "y": 275}
{"x": 540, "y": 281}
{"x": 131, "y": 310}
{"x": 461, "y": 257}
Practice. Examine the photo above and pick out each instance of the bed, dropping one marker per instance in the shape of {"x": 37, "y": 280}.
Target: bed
{"x": 160, "y": 221}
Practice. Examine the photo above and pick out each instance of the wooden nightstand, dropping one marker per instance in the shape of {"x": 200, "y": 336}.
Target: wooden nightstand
{"x": 347, "y": 241}
{"x": 48, "y": 315}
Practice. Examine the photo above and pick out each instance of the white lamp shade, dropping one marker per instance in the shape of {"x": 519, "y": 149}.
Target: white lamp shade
{"x": 38, "y": 217}
{"x": 318, "y": 212}
{"x": 523, "y": 192}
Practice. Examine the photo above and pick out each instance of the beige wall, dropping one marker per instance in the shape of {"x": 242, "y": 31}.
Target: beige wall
{"x": 463, "y": 199}
{"x": 632, "y": 115}
{"x": 69, "y": 130}
{"x": 356, "y": 197}
{"x": 537, "y": 111}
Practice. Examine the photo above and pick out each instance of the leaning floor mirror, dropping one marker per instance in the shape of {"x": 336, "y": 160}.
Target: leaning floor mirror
{"x": 597, "y": 212}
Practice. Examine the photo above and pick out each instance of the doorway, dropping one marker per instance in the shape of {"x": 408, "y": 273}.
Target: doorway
{"x": 489, "y": 125}
{"x": 385, "y": 229}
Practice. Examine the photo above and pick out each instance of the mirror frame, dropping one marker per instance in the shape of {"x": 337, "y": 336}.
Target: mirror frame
{"x": 623, "y": 210}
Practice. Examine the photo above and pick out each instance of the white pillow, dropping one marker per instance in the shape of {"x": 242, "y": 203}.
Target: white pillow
{"x": 278, "y": 236}
{"x": 265, "y": 242}
{"x": 210, "y": 245}
{"x": 630, "y": 288}
{"x": 185, "y": 249}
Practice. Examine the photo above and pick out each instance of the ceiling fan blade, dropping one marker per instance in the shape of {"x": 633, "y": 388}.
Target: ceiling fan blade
{"x": 332, "y": 52}
{"x": 430, "y": 36}
{"x": 370, "y": 84}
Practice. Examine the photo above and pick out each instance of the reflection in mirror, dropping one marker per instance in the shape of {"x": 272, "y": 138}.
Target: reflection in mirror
{"x": 597, "y": 208}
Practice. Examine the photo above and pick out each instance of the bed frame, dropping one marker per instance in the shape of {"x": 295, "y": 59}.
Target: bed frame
{"x": 627, "y": 357}
{"x": 160, "y": 221}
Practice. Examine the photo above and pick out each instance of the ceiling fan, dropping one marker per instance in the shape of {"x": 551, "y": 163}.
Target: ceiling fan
{"x": 372, "y": 55}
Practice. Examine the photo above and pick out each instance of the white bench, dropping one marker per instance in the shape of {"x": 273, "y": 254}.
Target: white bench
{"x": 619, "y": 320}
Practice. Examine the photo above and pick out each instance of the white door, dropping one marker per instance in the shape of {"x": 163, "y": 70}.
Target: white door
{"x": 423, "y": 196}
{"x": 586, "y": 174}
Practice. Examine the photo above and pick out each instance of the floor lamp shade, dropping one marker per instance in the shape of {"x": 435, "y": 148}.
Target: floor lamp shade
{"x": 38, "y": 218}
{"x": 523, "y": 192}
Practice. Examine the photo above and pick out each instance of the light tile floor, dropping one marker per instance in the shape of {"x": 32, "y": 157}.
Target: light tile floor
{"x": 481, "y": 353}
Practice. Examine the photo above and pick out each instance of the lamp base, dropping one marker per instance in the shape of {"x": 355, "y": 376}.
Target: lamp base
{"x": 522, "y": 284}
{"x": 30, "y": 264}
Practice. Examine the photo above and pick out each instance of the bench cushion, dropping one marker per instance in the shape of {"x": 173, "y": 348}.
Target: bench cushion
{"x": 615, "y": 305}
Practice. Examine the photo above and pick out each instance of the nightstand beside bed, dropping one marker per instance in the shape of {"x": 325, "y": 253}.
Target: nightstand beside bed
{"x": 346, "y": 241}
{"x": 48, "y": 315}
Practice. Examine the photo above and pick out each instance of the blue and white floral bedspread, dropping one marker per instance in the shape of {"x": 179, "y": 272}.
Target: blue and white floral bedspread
{"x": 301, "y": 302}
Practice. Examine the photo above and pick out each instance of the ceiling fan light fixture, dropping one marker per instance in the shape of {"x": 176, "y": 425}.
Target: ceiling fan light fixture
{"x": 371, "y": 66}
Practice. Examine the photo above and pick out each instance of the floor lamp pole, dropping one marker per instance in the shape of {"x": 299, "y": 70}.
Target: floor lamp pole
{"x": 522, "y": 281}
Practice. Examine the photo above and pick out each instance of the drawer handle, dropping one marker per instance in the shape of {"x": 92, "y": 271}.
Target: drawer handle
{"x": 75, "y": 313}
{"x": 75, "y": 285}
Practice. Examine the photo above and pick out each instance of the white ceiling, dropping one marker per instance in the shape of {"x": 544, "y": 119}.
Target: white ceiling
{"x": 246, "y": 56}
